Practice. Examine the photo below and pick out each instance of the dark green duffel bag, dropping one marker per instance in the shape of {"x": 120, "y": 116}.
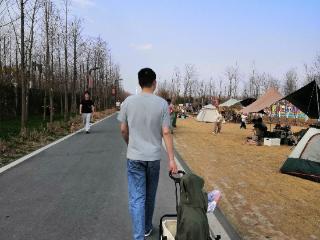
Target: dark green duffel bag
{"x": 192, "y": 221}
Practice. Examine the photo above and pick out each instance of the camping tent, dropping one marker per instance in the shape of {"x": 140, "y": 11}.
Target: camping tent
{"x": 270, "y": 97}
{"x": 208, "y": 113}
{"x": 230, "y": 103}
{"x": 304, "y": 160}
{"x": 307, "y": 99}
{"x": 247, "y": 101}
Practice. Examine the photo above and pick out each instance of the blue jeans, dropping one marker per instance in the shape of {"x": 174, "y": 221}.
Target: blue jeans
{"x": 143, "y": 178}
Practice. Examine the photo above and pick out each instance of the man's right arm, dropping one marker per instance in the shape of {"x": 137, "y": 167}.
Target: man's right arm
{"x": 125, "y": 132}
{"x": 167, "y": 137}
{"x": 124, "y": 128}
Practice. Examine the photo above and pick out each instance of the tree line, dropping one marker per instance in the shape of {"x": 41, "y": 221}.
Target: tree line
{"x": 47, "y": 60}
{"x": 186, "y": 87}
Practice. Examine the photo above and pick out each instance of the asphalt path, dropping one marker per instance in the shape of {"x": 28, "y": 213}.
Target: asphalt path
{"x": 76, "y": 190}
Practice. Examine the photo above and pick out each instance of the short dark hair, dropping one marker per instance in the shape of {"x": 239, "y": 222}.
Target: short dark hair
{"x": 146, "y": 77}
{"x": 168, "y": 100}
{"x": 86, "y": 92}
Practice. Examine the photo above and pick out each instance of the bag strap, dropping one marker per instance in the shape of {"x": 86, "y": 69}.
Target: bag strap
{"x": 177, "y": 204}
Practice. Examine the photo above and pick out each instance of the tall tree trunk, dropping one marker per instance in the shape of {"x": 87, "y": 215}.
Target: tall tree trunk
{"x": 23, "y": 129}
{"x": 44, "y": 104}
{"x": 49, "y": 85}
{"x": 16, "y": 83}
{"x": 4, "y": 39}
{"x": 61, "y": 87}
{"x": 81, "y": 77}
{"x": 74, "y": 69}
{"x": 66, "y": 67}
{"x": 30, "y": 67}
{"x": 40, "y": 73}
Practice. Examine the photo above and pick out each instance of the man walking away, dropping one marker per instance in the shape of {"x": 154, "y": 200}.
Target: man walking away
{"x": 86, "y": 109}
{"x": 145, "y": 120}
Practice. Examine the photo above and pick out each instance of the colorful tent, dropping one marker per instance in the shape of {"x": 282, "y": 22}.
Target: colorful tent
{"x": 307, "y": 99}
{"x": 270, "y": 97}
{"x": 304, "y": 160}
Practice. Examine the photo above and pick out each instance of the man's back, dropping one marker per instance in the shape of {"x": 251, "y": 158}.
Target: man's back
{"x": 145, "y": 114}
{"x": 145, "y": 120}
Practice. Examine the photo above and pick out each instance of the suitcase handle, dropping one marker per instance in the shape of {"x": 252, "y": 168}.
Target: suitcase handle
{"x": 179, "y": 173}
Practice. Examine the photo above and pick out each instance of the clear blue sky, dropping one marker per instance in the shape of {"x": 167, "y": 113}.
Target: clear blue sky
{"x": 274, "y": 34}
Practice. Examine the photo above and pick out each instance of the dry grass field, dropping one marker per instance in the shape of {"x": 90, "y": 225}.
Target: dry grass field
{"x": 259, "y": 201}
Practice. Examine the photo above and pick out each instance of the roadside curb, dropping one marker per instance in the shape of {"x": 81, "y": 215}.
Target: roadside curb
{"x": 30, "y": 155}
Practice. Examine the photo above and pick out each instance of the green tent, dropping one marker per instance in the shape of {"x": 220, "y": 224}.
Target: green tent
{"x": 230, "y": 103}
{"x": 304, "y": 161}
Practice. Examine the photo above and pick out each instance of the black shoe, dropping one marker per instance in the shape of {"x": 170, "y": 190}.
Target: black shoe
{"x": 87, "y": 132}
{"x": 147, "y": 234}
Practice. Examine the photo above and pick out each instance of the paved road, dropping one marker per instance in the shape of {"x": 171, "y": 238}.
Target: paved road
{"x": 74, "y": 190}
{"x": 77, "y": 190}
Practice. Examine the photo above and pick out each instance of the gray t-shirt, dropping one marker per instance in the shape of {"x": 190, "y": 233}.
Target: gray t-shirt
{"x": 145, "y": 115}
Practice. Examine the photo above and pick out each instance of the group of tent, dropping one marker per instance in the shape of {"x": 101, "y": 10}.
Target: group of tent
{"x": 304, "y": 161}
{"x": 209, "y": 113}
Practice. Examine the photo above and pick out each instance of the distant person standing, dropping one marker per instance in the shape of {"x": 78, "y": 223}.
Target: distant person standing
{"x": 174, "y": 116}
{"x": 86, "y": 109}
{"x": 217, "y": 123}
{"x": 145, "y": 120}
{"x": 171, "y": 112}
{"x": 243, "y": 121}
{"x": 220, "y": 119}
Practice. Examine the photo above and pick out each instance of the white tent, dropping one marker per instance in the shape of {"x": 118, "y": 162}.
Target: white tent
{"x": 208, "y": 113}
{"x": 304, "y": 161}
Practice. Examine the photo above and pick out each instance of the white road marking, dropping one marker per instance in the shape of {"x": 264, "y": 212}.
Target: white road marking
{"x": 26, "y": 157}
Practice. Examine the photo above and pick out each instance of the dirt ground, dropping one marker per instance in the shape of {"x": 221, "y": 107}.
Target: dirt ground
{"x": 259, "y": 201}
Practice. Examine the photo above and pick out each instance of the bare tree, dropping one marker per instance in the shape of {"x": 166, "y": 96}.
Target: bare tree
{"x": 163, "y": 89}
{"x": 290, "y": 82}
{"x": 35, "y": 8}
{"x": 31, "y": 60}
{"x": 175, "y": 84}
{"x": 267, "y": 81}
{"x": 313, "y": 71}
{"x": 233, "y": 78}
{"x": 66, "y": 102}
{"x": 75, "y": 32}
{"x": 22, "y": 71}
{"x": 211, "y": 89}
{"x": 188, "y": 80}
